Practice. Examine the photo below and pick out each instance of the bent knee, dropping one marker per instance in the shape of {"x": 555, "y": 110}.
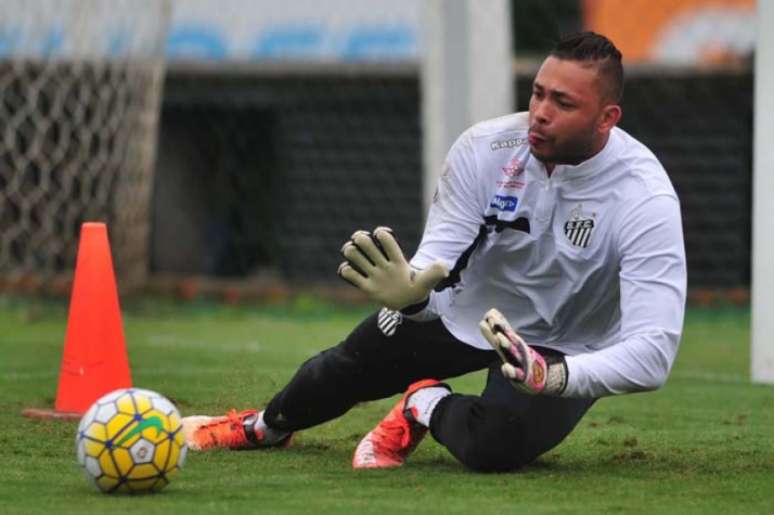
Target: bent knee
{"x": 496, "y": 445}
{"x": 483, "y": 456}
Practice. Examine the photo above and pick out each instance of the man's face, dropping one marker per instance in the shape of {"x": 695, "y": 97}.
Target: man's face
{"x": 565, "y": 112}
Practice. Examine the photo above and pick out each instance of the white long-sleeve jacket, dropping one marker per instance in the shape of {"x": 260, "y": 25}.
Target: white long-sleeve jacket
{"x": 589, "y": 261}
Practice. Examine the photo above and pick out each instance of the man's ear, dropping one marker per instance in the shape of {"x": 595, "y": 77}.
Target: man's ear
{"x": 610, "y": 116}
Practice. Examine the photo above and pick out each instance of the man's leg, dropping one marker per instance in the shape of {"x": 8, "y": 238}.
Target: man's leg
{"x": 380, "y": 358}
{"x": 503, "y": 429}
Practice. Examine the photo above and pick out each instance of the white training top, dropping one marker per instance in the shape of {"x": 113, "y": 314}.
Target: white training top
{"x": 589, "y": 261}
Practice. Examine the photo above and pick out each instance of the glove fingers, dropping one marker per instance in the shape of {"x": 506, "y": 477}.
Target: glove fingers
{"x": 389, "y": 244}
{"x": 379, "y": 243}
{"x": 497, "y": 341}
{"x": 511, "y": 353}
{"x": 516, "y": 350}
{"x": 350, "y": 275}
{"x": 359, "y": 262}
{"x": 500, "y": 324}
{"x": 509, "y": 345}
{"x": 489, "y": 336}
{"x": 493, "y": 338}
{"x": 495, "y": 328}
{"x": 362, "y": 240}
{"x": 512, "y": 373}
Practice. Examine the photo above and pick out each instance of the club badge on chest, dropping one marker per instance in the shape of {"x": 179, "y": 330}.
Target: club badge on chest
{"x": 579, "y": 228}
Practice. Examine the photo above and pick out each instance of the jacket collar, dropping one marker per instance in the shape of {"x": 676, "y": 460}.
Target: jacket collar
{"x": 598, "y": 163}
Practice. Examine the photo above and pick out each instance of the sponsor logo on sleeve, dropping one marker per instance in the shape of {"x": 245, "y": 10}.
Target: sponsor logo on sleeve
{"x": 504, "y": 203}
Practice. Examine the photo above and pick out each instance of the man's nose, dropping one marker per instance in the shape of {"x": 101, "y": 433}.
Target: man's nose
{"x": 542, "y": 112}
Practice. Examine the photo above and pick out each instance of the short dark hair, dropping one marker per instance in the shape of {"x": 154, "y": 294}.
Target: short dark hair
{"x": 596, "y": 48}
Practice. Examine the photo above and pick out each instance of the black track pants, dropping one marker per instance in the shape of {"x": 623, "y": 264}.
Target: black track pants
{"x": 499, "y": 430}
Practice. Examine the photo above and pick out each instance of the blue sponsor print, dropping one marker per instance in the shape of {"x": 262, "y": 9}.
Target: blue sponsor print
{"x": 504, "y": 203}
{"x": 288, "y": 42}
{"x": 379, "y": 42}
{"x": 300, "y": 41}
{"x": 200, "y": 40}
{"x": 196, "y": 42}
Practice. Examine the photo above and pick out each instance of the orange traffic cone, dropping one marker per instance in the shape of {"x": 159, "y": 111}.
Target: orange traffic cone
{"x": 94, "y": 360}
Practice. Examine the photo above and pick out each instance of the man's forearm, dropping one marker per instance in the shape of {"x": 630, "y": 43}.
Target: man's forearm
{"x": 640, "y": 363}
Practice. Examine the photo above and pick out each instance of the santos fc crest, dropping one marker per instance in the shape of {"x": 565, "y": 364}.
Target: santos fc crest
{"x": 579, "y": 227}
{"x": 388, "y": 321}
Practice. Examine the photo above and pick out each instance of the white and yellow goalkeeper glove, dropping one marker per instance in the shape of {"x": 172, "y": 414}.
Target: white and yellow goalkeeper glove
{"x": 375, "y": 264}
{"x": 527, "y": 370}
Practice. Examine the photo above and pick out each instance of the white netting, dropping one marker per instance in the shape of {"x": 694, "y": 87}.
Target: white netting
{"x": 80, "y": 84}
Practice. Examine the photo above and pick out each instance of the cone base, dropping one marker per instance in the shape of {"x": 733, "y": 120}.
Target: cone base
{"x": 49, "y": 414}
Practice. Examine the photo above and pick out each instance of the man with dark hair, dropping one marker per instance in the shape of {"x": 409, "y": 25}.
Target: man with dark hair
{"x": 554, "y": 222}
{"x": 595, "y": 50}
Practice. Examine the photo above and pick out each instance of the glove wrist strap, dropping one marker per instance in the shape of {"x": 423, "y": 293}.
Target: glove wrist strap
{"x": 556, "y": 378}
{"x": 415, "y": 308}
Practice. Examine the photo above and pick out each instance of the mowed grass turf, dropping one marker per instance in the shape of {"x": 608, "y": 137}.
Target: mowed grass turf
{"x": 702, "y": 444}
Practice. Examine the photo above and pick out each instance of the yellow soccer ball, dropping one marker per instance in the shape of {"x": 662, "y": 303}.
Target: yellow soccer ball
{"x": 130, "y": 440}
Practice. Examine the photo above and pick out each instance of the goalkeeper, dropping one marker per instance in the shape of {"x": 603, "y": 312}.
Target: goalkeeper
{"x": 552, "y": 255}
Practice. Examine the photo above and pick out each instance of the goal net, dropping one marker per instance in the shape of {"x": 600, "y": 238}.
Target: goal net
{"x": 80, "y": 84}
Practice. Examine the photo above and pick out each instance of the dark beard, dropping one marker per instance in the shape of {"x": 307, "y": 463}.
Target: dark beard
{"x": 572, "y": 156}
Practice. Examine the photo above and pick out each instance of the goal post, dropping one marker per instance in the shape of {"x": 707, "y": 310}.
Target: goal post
{"x": 80, "y": 87}
{"x": 762, "y": 351}
{"x": 466, "y": 74}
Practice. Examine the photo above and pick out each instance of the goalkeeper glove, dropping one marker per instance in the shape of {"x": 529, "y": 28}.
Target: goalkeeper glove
{"x": 527, "y": 369}
{"x": 375, "y": 264}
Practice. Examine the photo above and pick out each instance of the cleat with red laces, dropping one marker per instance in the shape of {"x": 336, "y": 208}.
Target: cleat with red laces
{"x": 395, "y": 437}
{"x": 233, "y": 431}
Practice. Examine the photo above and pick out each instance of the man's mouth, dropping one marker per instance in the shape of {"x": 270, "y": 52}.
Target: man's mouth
{"x": 536, "y": 137}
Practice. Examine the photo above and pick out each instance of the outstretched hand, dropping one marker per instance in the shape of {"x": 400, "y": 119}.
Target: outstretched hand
{"x": 526, "y": 368}
{"x": 376, "y": 265}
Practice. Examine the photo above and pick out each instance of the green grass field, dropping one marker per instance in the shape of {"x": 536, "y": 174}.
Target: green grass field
{"x": 703, "y": 444}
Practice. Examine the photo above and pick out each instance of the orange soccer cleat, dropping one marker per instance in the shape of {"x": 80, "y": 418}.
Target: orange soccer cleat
{"x": 395, "y": 437}
{"x": 235, "y": 430}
